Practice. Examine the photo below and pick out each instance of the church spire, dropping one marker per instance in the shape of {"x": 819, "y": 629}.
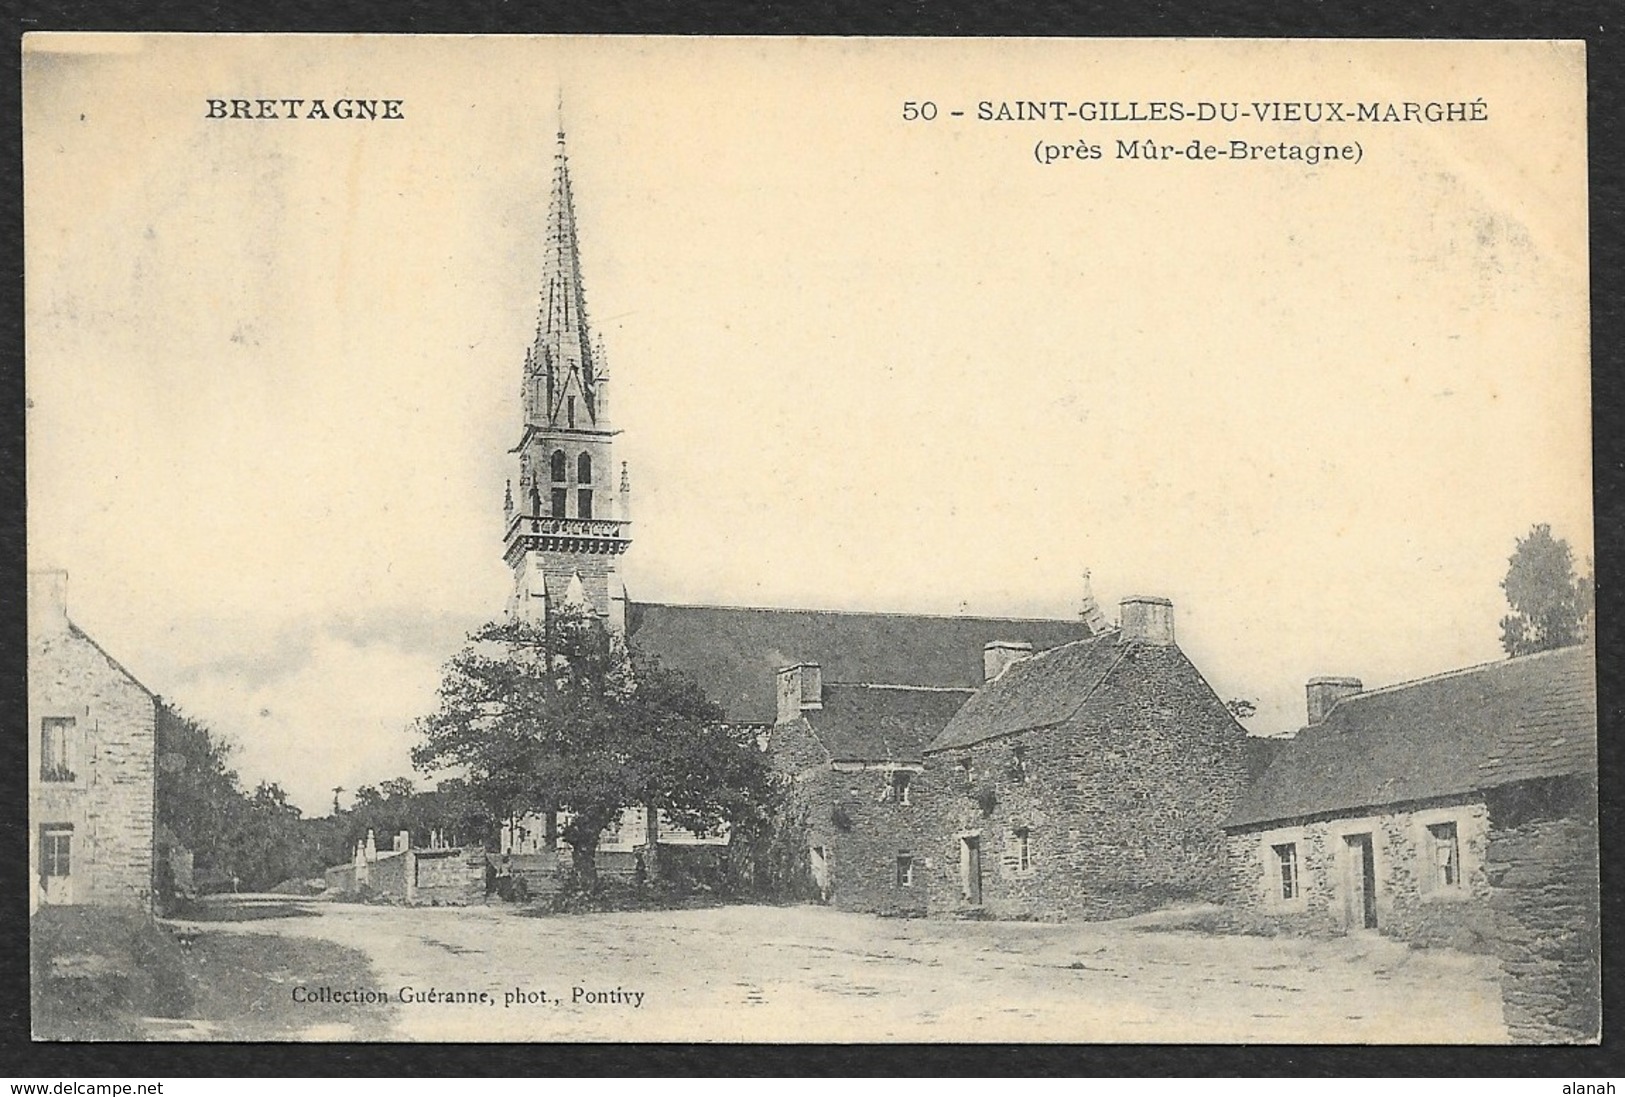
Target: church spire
{"x": 567, "y": 522}
{"x": 562, "y": 368}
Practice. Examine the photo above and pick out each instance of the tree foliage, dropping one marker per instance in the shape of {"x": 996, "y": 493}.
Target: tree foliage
{"x": 560, "y": 716}
{"x": 1550, "y": 604}
{"x": 254, "y": 841}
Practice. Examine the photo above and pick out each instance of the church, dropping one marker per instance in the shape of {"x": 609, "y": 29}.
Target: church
{"x": 568, "y": 523}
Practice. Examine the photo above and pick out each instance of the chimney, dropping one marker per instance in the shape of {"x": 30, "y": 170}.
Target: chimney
{"x": 998, "y": 656}
{"x": 1147, "y": 620}
{"x": 47, "y": 602}
{"x": 1323, "y": 693}
{"x": 801, "y": 687}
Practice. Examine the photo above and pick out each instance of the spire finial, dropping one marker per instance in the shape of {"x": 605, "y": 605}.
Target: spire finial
{"x": 558, "y": 114}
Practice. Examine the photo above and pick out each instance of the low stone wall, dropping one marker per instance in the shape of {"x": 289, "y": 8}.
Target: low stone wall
{"x": 447, "y": 877}
{"x": 1544, "y": 871}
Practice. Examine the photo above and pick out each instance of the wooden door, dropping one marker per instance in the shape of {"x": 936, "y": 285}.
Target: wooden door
{"x": 1359, "y": 883}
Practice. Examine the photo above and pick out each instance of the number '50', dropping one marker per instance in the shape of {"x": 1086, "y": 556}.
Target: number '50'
{"x": 919, "y": 112}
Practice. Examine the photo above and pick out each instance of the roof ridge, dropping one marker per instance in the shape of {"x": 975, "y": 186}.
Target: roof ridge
{"x": 877, "y": 613}
{"x": 891, "y": 685}
{"x": 1456, "y": 673}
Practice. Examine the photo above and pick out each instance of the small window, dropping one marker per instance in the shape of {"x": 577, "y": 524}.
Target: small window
{"x": 584, "y": 503}
{"x": 1022, "y": 840}
{"x": 1446, "y": 855}
{"x": 570, "y": 410}
{"x": 1018, "y": 765}
{"x": 584, "y": 469}
{"x": 1286, "y": 864}
{"x": 905, "y": 871}
{"x": 560, "y": 497}
{"x": 558, "y": 465}
{"x": 56, "y": 760}
{"x": 967, "y": 772}
{"x": 901, "y": 781}
{"x": 56, "y": 851}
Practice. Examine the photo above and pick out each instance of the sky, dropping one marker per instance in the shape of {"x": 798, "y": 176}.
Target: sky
{"x": 858, "y": 362}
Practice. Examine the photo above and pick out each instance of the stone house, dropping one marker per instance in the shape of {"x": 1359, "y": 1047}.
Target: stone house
{"x": 92, "y": 741}
{"x": 1457, "y": 810}
{"x": 1089, "y": 781}
{"x": 852, "y": 755}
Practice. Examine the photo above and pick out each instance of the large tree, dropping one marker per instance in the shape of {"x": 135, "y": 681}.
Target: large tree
{"x": 1550, "y": 604}
{"x": 561, "y": 716}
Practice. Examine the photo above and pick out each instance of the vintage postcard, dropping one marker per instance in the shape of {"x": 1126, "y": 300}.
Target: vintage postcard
{"x": 844, "y": 540}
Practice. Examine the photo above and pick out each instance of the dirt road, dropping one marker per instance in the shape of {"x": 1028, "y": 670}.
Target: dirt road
{"x": 813, "y": 974}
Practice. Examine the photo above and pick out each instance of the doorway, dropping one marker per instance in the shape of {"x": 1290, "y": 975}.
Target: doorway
{"x": 1359, "y": 883}
{"x": 970, "y": 870}
{"x": 56, "y": 864}
{"x": 820, "y": 871}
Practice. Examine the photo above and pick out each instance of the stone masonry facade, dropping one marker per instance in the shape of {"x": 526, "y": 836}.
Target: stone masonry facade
{"x": 1113, "y": 812}
{"x": 91, "y": 797}
{"x": 1542, "y": 864}
{"x": 852, "y": 815}
{"x": 1412, "y": 899}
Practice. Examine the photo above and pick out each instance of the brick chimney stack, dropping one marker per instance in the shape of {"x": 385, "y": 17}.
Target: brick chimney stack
{"x": 47, "y": 602}
{"x": 1000, "y": 655}
{"x": 1147, "y": 620}
{"x": 1323, "y": 693}
{"x": 800, "y": 688}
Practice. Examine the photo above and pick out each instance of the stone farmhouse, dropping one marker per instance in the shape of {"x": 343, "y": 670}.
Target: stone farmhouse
{"x": 853, "y": 755}
{"x": 1088, "y": 781}
{"x": 92, "y": 741}
{"x": 1460, "y": 809}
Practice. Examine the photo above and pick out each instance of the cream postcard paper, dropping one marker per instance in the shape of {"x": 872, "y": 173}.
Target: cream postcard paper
{"x": 1083, "y": 473}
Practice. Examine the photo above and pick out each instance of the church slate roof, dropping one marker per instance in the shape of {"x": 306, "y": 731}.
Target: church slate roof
{"x": 1452, "y": 734}
{"x": 734, "y": 651}
{"x": 862, "y": 723}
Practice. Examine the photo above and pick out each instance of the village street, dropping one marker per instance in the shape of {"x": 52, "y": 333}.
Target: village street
{"x": 803, "y": 973}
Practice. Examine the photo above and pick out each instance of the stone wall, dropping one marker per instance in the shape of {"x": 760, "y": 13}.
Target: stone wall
{"x": 109, "y": 799}
{"x": 851, "y": 815}
{"x": 1121, "y": 805}
{"x": 450, "y": 877}
{"x": 1542, "y": 864}
{"x": 1409, "y": 905}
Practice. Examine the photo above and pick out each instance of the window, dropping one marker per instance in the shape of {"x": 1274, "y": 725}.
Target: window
{"x": 570, "y": 410}
{"x": 584, "y": 503}
{"x": 967, "y": 772}
{"x": 584, "y": 469}
{"x": 557, "y": 466}
{"x": 56, "y": 762}
{"x": 56, "y": 851}
{"x": 901, "y": 780}
{"x": 1446, "y": 855}
{"x": 1286, "y": 864}
{"x": 560, "y": 495}
{"x": 1021, "y": 839}
{"x": 905, "y": 871}
{"x": 1018, "y": 765}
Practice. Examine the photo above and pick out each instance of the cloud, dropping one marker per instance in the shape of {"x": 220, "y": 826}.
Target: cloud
{"x": 313, "y": 705}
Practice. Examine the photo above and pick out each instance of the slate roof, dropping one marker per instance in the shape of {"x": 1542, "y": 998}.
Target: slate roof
{"x": 734, "y": 651}
{"x": 861, "y": 723}
{"x": 1044, "y": 689}
{"x": 1456, "y": 733}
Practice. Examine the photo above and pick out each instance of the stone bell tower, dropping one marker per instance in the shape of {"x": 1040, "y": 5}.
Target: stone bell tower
{"x": 566, "y": 525}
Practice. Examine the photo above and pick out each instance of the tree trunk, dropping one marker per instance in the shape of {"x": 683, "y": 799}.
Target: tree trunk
{"x": 584, "y": 862}
{"x": 651, "y": 842}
